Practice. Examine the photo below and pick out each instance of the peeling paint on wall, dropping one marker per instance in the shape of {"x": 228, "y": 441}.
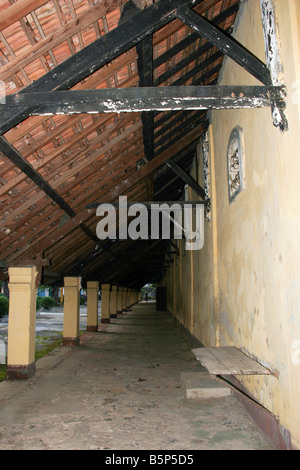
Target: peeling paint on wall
{"x": 273, "y": 59}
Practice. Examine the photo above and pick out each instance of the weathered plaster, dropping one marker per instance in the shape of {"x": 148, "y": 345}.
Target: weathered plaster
{"x": 247, "y": 277}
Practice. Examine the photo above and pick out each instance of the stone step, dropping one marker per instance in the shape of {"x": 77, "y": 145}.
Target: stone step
{"x": 200, "y": 385}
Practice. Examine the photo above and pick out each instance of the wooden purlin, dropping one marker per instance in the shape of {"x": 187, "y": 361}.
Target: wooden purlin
{"x": 42, "y": 243}
{"x": 57, "y": 181}
{"x": 36, "y": 244}
{"x": 84, "y": 199}
{"x": 17, "y": 11}
{"x": 68, "y": 189}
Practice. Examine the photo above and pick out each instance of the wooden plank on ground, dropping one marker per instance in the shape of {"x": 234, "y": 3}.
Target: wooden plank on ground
{"x": 228, "y": 360}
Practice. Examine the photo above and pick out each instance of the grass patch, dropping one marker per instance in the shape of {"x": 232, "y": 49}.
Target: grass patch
{"x": 46, "y": 344}
{"x": 43, "y": 346}
{"x": 2, "y": 372}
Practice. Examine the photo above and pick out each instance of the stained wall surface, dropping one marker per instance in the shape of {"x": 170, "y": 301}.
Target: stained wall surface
{"x": 243, "y": 288}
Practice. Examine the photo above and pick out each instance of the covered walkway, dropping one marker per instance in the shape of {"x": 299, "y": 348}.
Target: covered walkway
{"x": 124, "y": 388}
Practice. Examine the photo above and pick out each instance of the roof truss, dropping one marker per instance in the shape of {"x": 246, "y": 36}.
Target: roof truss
{"x": 154, "y": 95}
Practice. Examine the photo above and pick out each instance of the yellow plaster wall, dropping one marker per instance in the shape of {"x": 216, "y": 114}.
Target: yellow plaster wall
{"x": 246, "y": 279}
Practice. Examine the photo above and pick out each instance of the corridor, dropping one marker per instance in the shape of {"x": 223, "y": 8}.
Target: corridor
{"x": 122, "y": 389}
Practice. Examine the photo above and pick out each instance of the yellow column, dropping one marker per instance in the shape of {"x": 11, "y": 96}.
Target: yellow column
{"x": 105, "y": 303}
{"x": 71, "y": 311}
{"x": 61, "y": 295}
{"x": 120, "y": 300}
{"x": 124, "y": 300}
{"x": 131, "y": 302}
{"x": 128, "y": 299}
{"x": 21, "y": 323}
{"x": 113, "y": 301}
{"x": 92, "y": 306}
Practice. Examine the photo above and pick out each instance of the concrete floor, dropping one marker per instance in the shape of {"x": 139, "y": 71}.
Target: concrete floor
{"x": 122, "y": 389}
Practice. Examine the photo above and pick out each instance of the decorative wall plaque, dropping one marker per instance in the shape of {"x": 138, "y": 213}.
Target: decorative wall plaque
{"x": 235, "y": 160}
{"x": 206, "y": 174}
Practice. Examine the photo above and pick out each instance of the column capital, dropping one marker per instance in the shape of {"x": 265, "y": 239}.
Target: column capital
{"x": 22, "y": 275}
{"x": 105, "y": 286}
{"x": 72, "y": 281}
{"x": 92, "y": 285}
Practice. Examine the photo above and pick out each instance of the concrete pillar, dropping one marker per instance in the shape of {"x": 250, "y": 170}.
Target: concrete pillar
{"x": 92, "y": 289}
{"x": 132, "y": 297}
{"x": 120, "y": 300}
{"x": 105, "y": 303}
{"x": 21, "y": 323}
{"x": 128, "y": 298}
{"x": 124, "y": 301}
{"x": 71, "y": 311}
{"x": 113, "y": 301}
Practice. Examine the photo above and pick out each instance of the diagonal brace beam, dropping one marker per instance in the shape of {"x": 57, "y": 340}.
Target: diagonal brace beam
{"x": 225, "y": 43}
{"x": 188, "y": 179}
{"x": 10, "y": 152}
{"x": 14, "y": 156}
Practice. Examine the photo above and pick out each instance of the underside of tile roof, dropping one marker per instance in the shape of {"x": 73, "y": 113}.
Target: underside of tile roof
{"x": 53, "y": 166}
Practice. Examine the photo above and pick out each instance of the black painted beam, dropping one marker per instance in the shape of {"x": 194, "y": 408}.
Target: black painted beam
{"x": 145, "y": 70}
{"x": 116, "y": 100}
{"x": 177, "y": 134}
{"x": 96, "y": 55}
{"x": 188, "y": 179}
{"x": 225, "y": 43}
{"x": 16, "y": 158}
{"x": 148, "y": 204}
{"x": 193, "y": 37}
{"x": 178, "y": 126}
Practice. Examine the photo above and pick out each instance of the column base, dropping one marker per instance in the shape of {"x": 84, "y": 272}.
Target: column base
{"x": 113, "y": 315}
{"x": 20, "y": 372}
{"x": 71, "y": 341}
{"x": 105, "y": 320}
{"x": 92, "y": 329}
{"x": 119, "y": 312}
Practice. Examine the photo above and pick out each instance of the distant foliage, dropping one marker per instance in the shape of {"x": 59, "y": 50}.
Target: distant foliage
{"x": 4, "y": 304}
{"x": 38, "y": 302}
{"x": 48, "y": 302}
